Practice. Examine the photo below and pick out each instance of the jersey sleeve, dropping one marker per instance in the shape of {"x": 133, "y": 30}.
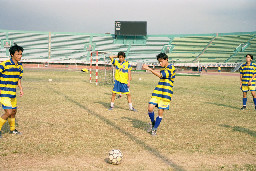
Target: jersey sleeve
{"x": 241, "y": 70}
{"x": 2, "y": 68}
{"x": 168, "y": 73}
{"x": 114, "y": 61}
{"x": 129, "y": 66}
{"x": 21, "y": 72}
{"x": 254, "y": 69}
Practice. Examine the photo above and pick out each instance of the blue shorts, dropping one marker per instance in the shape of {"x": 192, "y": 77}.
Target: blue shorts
{"x": 120, "y": 88}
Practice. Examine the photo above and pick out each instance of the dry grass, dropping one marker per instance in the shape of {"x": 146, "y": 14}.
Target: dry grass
{"x": 66, "y": 125}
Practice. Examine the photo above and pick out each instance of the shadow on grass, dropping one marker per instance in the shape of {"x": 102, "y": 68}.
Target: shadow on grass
{"x": 121, "y": 130}
{"x": 107, "y": 106}
{"x": 241, "y": 129}
{"x": 137, "y": 123}
{"x": 223, "y": 105}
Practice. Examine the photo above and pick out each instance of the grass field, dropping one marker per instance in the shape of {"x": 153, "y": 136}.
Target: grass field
{"x": 65, "y": 125}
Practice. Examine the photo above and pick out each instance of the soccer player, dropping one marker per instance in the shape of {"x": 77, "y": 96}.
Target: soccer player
{"x": 247, "y": 79}
{"x": 162, "y": 94}
{"x": 11, "y": 72}
{"x": 122, "y": 79}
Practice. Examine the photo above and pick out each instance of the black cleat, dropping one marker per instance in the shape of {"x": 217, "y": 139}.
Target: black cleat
{"x": 243, "y": 108}
{"x": 15, "y": 132}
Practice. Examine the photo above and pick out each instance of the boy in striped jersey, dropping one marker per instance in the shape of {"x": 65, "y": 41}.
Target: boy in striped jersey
{"x": 122, "y": 79}
{"x": 11, "y": 72}
{"x": 247, "y": 81}
{"x": 162, "y": 94}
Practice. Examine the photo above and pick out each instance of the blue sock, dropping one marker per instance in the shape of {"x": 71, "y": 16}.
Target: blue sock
{"x": 152, "y": 117}
{"x": 254, "y": 100}
{"x": 158, "y": 120}
{"x": 244, "y": 101}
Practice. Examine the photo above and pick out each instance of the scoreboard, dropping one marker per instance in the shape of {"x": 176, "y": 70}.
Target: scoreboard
{"x": 131, "y": 28}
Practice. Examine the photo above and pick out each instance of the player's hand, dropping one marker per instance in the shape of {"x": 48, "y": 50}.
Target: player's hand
{"x": 249, "y": 83}
{"x": 21, "y": 93}
{"x": 145, "y": 67}
{"x": 128, "y": 84}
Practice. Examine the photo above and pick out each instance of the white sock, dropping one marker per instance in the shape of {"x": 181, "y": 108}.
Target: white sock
{"x": 112, "y": 104}
{"x": 130, "y": 106}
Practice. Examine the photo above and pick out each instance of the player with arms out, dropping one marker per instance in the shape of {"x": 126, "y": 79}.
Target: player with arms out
{"x": 247, "y": 79}
{"x": 162, "y": 94}
{"x": 11, "y": 72}
{"x": 122, "y": 79}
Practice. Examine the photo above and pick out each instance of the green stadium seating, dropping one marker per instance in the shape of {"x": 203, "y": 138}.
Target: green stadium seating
{"x": 72, "y": 47}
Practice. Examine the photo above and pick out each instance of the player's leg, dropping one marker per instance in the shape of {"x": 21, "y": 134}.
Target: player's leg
{"x": 12, "y": 122}
{"x": 244, "y": 100}
{"x": 254, "y": 98}
{"x": 3, "y": 119}
{"x": 112, "y": 101}
{"x": 129, "y": 99}
{"x": 158, "y": 121}
{"x": 151, "y": 115}
{"x": 11, "y": 118}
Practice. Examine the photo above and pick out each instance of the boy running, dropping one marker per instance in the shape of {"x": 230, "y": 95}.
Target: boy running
{"x": 162, "y": 94}
{"x": 11, "y": 72}
{"x": 247, "y": 81}
{"x": 122, "y": 79}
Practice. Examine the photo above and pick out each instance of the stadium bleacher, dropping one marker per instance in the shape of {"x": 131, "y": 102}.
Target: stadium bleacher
{"x": 72, "y": 47}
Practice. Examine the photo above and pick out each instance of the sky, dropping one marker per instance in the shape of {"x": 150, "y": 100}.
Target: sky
{"x": 99, "y": 16}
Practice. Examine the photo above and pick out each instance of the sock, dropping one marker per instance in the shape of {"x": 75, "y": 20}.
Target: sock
{"x": 112, "y": 104}
{"x": 11, "y": 123}
{"x": 2, "y": 121}
{"x": 152, "y": 117}
{"x": 254, "y": 100}
{"x": 130, "y": 106}
{"x": 244, "y": 101}
{"x": 158, "y": 120}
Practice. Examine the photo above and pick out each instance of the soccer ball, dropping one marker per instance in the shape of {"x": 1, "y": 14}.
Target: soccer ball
{"x": 115, "y": 157}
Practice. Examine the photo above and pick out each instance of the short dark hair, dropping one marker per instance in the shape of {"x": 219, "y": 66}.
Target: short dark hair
{"x": 121, "y": 54}
{"x": 249, "y": 55}
{"x": 162, "y": 56}
{"x": 15, "y": 48}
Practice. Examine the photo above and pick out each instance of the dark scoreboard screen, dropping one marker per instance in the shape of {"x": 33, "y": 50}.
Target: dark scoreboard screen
{"x": 131, "y": 28}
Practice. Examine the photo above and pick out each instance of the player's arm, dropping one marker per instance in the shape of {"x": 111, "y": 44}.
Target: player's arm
{"x": 156, "y": 73}
{"x": 20, "y": 86}
{"x": 241, "y": 77}
{"x": 129, "y": 77}
{"x": 250, "y": 82}
{"x": 2, "y": 68}
{"x": 112, "y": 57}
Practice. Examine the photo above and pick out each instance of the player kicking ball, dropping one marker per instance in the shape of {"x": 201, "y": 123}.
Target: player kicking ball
{"x": 11, "y": 72}
{"x": 247, "y": 79}
{"x": 122, "y": 79}
{"x": 161, "y": 96}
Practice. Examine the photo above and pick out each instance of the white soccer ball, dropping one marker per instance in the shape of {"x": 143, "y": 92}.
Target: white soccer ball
{"x": 115, "y": 157}
{"x": 50, "y": 80}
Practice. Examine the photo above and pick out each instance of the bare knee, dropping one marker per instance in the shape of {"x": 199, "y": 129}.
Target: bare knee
{"x": 150, "y": 108}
